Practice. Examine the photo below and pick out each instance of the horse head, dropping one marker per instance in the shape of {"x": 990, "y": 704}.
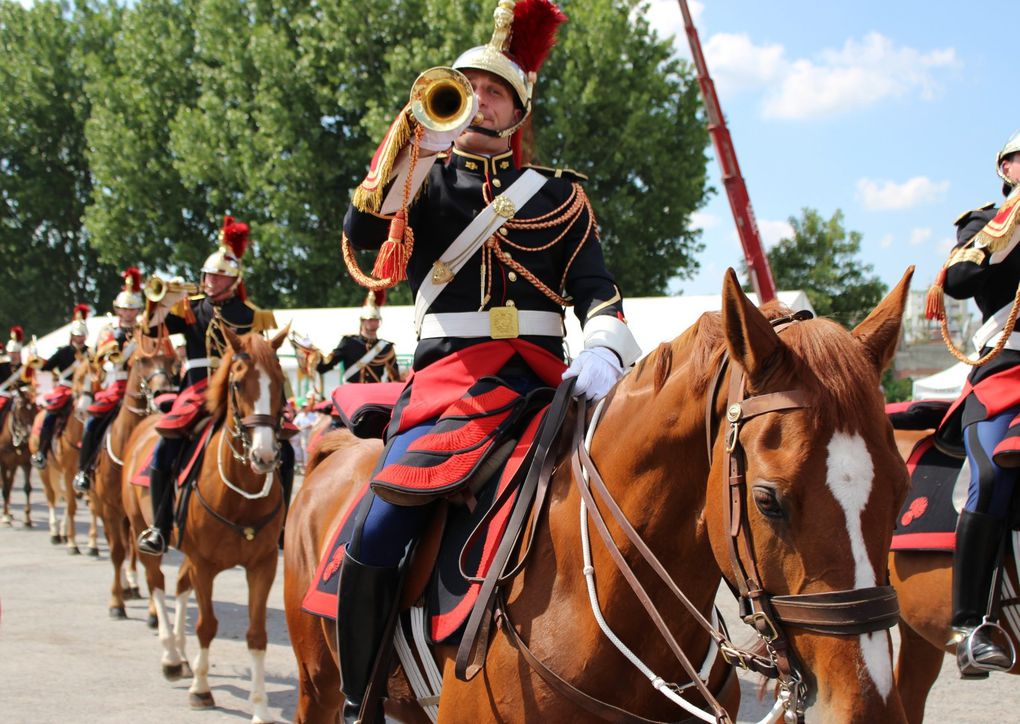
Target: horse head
{"x": 821, "y": 483}
{"x": 86, "y": 380}
{"x": 150, "y": 362}
{"x": 248, "y": 388}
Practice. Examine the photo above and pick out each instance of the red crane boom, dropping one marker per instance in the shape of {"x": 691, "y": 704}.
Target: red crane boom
{"x": 736, "y": 189}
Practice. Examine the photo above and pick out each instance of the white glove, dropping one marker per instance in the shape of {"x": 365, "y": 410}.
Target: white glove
{"x": 437, "y": 141}
{"x": 597, "y": 369}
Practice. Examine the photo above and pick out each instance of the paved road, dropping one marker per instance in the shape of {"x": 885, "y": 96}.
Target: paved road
{"x": 63, "y": 660}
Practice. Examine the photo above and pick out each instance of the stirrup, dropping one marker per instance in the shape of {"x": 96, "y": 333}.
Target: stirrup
{"x": 151, "y": 541}
{"x": 967, "y": 660}
{"x": 81, "y": 482}
{"x": 38, "y": 460}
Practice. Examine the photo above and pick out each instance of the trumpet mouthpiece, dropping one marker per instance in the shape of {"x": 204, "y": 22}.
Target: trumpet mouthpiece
{"x": 477, "y": 119}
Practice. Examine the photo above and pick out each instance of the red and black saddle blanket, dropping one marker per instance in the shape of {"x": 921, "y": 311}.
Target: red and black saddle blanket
{"x": 108, "y": 398}
{"x": 191, "y": 457}
{"x": 449, "y": 596}
{"x": 927, "y": 520}
{"x": 57, "y": 398}
{"x": 364, "y": 408}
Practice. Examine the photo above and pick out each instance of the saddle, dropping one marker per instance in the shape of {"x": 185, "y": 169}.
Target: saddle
{"x": 363, "y": 408}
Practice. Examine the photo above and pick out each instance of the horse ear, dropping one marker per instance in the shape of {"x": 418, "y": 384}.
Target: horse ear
{"x": 233, "y": 341}
{"x": 277, "y": 340}
{"x": 751, "y": 340}
{"x": 880, "y": 332}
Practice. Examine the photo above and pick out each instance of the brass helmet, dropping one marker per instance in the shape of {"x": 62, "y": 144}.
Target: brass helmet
{"x": 1012, "y": 146}
{"x": 130, "y": 296}
{"x": 516, "y": 58}
{"x": 14, "y": 344}
{"x": 78, "y": 326}
{"x": 370, "y": 309}
{"x": 226, "y": 260}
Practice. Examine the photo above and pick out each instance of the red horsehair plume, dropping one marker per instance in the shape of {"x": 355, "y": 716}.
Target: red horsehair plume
{"x": 81, "y": 311}
{"x": 18, "y": 332}
{"x": 235, "y": 236}
{"x": 379, "y": 297}
{"x": 132, "y": 279}
{"x": 534, "y": 32}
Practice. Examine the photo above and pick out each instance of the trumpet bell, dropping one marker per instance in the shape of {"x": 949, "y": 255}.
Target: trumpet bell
{"x": 441, "y": 99}
{"x": 156, "y": 288}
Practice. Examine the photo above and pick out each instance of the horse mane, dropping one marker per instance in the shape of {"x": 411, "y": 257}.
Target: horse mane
{"x": 329, "y": 444}
{"x": 262, "y": 355}
{"x": 820, "y": 356}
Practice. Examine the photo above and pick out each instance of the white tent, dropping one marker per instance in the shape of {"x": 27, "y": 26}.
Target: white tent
{"x": 944, "y": 385}
{"x": 652, "y": 320}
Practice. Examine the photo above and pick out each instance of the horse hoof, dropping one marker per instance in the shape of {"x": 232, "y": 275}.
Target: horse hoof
{"x": 132, "y": 594}
{"x": 173, "y": 672}
{"x": 94, "y": 552}
{"x": 201, "y": 701}
{"x": 28, "y": 524}
{"x": 117, "y": 612}
{"x": 55, "y": 540}
{"x": 7, "y": 521}
{"x": 73, "y": 551}
{"x": 153, "y": 621}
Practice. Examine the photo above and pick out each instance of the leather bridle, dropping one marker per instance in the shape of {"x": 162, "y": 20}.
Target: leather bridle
{"x": 239, "y": 428}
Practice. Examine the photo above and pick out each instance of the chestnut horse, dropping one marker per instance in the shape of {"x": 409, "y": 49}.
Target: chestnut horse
{"x": 62, "y": 461}
{"x": 14, "y": 454}
{"x": 149, "y": 374}
{"x": 812, "y": 521}
{"x": 235, "y": 511}
{"x": 923, "y": 582}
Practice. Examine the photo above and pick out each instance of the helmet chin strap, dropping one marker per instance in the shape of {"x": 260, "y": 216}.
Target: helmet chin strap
{"x": 506, "y": 132}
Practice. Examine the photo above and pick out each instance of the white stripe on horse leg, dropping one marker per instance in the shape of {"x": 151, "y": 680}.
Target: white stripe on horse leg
{"x": 850, "y": 475}
{"x": 170, "y": 656}
{"x": 181, "y": 624}
{"x": 258, "y": 697}
{"x": 200, "y": 670}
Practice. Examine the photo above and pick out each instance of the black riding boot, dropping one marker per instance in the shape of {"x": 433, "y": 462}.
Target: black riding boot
{"x": 286, "y": 481}
{"x": 367, "y": 595}
{"x": 155, "y": 539}
{"x": 89, "y": 442}
{"x": 45, "y": 440}
{"x": 978, "y": 538}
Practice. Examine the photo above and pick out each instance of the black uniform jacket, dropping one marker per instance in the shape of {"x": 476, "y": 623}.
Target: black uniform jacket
{"x": 565, "y": 257}
{"x": 352, "y": 348}
{"x": 202, "y": 339}
{"x": 60, "y": 361}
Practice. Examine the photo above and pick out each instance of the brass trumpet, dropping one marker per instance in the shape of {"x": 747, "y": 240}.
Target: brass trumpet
{"x": 441, "y": 99}
{"x": 156, "y": 288}
{"x": 35, "y": 363}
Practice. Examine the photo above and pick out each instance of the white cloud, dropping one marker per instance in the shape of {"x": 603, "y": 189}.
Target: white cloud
{"x": 736, "y": 64}
{"x": 665, "y": 19}
{"x": 919, "y": 236}
{"x": 773, "y": 231}
{"x": 946, "y": 244}
{"x": 889, "y": 195}
{"x": 860, "y": 74}
{"x": 887, "y": 241}
{"x": 704, "y": 220}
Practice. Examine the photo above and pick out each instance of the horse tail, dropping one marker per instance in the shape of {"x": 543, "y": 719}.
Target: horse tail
{"x": 329, "y": 443}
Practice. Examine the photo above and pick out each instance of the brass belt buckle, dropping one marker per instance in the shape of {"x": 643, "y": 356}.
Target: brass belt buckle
{"x": 503, "y": 323}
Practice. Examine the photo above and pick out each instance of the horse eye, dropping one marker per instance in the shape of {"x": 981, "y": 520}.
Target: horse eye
{"x": 767, "y": 501}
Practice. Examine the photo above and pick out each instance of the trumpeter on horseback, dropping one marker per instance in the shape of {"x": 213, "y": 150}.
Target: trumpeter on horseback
{"x": 61, "y": 364}
{"x": 112, "y": 348}
{"x": 13, "y": 375}
{"x": 985, "y": 266}
{"x": 365, "y": 357}
{"x": 529, "y": 234}
{"x": 201, "y": 318}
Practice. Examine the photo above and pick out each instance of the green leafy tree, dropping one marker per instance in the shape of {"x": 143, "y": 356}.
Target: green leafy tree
{"x": 822, "y": 258}
{"x": 44, "y": 176}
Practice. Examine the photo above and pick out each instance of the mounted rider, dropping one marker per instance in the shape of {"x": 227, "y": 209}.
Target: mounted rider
{"x": 201, "y": 319}
{"x": 113, "y": 348}
{"x": 365, "y": 357}
{"x": 985, "y": 266}
{"x": 529, "y": 234}
{"x": 13, "y": 375}
{"x": 61, "y": 364}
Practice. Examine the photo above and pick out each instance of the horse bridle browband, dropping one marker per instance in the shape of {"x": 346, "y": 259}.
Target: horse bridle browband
{"x": 242, "y": 425}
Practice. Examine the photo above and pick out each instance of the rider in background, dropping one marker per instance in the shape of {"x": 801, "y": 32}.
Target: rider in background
{"x": 365, "y": 357}
{"x": 201, "y": 319}
{"x": 61, "y": 364}
{"x": 498, "y": 310}
{"x": 985, "y": 267}
{"x": 111, "y": 348}
{"x": 12, "y": 374}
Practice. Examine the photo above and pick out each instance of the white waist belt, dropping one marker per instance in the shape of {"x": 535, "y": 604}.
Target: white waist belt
{"x": 476, "y": 324}
{"x": 196, "y": 363}
{"x": 989, "y": 334}
{"x": 1012, "y": 343}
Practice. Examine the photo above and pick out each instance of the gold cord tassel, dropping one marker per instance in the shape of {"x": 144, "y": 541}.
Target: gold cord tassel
{"x": 935, "y": 304}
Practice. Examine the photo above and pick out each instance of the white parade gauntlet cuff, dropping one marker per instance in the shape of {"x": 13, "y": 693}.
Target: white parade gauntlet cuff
{"x": 606, "y": 330}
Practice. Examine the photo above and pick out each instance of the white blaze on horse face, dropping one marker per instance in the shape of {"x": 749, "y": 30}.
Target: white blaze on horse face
{"x": 850, "y": 476}
{"x": 263, "y": 439}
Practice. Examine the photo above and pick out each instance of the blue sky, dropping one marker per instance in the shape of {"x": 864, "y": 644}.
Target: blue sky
{"x": 891, "y": 111}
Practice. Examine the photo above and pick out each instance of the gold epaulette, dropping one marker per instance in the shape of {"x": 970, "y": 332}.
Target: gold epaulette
{"x": 568, "y": 173}
{"x": 999, "y": 232}
{"x": 263, "y": 318}
{"x": 369, "y": 194}
{"x": 966, "y": 254}
{"x": 968, "y": 212}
